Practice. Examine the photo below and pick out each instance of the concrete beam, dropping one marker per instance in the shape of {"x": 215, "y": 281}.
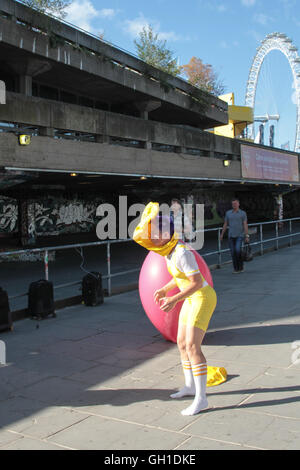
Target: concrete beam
{"x": 29, "y": 66}
{"x": 53, "y": 114}
{"x": 53, "y": 154}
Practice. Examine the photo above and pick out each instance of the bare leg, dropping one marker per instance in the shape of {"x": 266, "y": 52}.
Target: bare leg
{"x": 189, "y": 387}
{"x": 194, "y": 338}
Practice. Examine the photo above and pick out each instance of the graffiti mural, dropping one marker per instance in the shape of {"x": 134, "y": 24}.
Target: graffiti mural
{"x": 57, "y": 216}
{"x": 8, "y": 215}
{"x": 50, "y": 216}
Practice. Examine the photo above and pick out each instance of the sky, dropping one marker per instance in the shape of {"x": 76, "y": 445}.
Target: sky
{"x": 223, "y": 33}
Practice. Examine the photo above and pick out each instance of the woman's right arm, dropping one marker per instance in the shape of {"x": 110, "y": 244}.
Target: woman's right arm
{"x": 160, "y": 293}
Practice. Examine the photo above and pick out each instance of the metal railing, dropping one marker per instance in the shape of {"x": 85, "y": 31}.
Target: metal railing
{"x": 109, "y": 276}
{"x": 261, "y": 241}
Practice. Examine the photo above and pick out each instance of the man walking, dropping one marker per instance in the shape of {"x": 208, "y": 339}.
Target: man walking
{"x": 236, "y": 220}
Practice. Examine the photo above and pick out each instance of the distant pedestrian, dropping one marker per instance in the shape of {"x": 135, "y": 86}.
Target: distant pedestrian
{"x": 236, "y": 221}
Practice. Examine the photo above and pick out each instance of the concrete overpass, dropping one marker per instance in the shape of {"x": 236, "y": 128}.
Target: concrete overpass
{"x": 42, "y": 56}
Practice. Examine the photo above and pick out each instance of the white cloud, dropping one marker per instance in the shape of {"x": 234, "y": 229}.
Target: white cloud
{"x": 256, "y": 35}
{"x": 262, "y": 19}
{"x": 135, "y": 26}
{"x": 81, "y": 13}
{"x": 228, "y": 45}
{"x": 170, "y": 36}
{"x": 107, "y": 13}
{"x": 248, "y": 3}
{"x": 221, "y": 8}
{"x": 224, "y": 44}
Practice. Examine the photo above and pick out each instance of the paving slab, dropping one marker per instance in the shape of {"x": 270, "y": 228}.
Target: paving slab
{"x": 119, "y": 434}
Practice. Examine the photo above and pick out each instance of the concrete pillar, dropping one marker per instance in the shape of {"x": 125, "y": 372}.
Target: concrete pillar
{"x": 26, "y": 69}
{"x": 180, "y": 149}
{"x": 145, "y": 107}
{"x": 46, "y": 131}
{"x": 26, "y": 224}
{"x": 102, "y": 139}
{"x": 25, "y": 85}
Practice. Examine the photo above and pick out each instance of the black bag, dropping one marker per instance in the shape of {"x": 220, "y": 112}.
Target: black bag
{"x": 246, "y": 252}
{"x": 92, "y": 292}
{"x": 40, "y": 299}
{"x": 5, "y": 314}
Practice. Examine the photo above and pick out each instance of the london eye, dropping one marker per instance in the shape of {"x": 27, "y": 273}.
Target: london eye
{"x": 282, "y": 43}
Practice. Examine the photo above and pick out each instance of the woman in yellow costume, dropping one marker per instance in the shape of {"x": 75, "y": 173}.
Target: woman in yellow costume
{"x": 156, "y": 233}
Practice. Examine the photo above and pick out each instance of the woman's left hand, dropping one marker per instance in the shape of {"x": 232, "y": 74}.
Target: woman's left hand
{"x": 167, "y": 304}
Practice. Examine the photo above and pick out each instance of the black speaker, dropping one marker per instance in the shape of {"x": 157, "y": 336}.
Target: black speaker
{"x": 5, "y": 314}
{"x": 40, "y": 299}
{"x": 92, "y": 292}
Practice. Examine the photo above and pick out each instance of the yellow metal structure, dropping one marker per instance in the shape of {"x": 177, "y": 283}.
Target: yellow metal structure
{"x": 238, "y": 118}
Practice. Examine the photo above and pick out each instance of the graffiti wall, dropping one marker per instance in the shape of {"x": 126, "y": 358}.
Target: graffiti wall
{"x": 258, "y": 206}
{"x": 55, "y": 216}
{"x": 51, "y": 215}
{"x": 8, "y": 215}
{"x": 215, "y": 206}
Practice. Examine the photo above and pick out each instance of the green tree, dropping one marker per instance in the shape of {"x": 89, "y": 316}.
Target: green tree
{"x": 53, "y": 7}
{"x": 154, "y": 51}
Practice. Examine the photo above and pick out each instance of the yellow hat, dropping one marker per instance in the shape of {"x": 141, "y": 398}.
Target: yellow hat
{"x": 141, "y": 233}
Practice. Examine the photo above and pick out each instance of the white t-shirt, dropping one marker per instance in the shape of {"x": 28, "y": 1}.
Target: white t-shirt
{"x": 185, "y": 261}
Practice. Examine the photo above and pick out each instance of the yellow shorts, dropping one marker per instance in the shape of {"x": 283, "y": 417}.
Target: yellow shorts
{"x": 198, "y": 308}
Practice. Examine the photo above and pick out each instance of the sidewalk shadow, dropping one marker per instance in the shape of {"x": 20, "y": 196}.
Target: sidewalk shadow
{"x": 255, "y": 404}
{"x": 253, "y": 335}
{"x": 125, "y": 397}
{"x": 121, "y": 397}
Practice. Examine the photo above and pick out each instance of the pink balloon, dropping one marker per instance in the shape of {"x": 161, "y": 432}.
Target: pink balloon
{"x": 154, "y": 275}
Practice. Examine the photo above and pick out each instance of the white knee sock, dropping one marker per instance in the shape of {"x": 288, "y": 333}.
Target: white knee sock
{"x": 200, "y": 400}
{"x": 189, "y": 388}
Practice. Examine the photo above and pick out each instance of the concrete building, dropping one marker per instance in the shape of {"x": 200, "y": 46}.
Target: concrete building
{"x": 83, "y": 122}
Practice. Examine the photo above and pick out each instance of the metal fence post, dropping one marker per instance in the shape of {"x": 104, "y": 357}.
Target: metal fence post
{"x": 261, "y": 239}
{"x": 108, "y": 268}
{"x": 276, "y": 231}
{"x": 290, "y": 224}
{"x": 46, "y": 265}
{"x": 219, "y": 249}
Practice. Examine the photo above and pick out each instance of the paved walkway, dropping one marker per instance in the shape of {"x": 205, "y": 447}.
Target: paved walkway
{"x": 100, "y": 377}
